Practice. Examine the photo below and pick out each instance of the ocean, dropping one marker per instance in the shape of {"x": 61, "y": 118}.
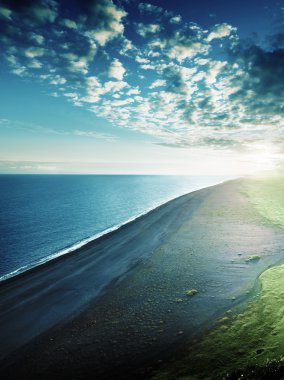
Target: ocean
{"x": 45, "y": 216}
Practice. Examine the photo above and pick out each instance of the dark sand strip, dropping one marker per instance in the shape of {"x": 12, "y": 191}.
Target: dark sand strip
{"x": 199, "y": 241}
{"x": 35, "y": 301}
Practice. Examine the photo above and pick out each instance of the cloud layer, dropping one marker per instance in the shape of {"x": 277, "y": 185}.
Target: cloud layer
{"x": 184, "y": 84}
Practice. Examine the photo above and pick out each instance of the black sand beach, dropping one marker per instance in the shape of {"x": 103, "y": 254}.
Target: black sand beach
{"x": 123, "y": 305}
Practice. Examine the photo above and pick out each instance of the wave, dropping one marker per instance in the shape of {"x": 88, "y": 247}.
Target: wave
{"x": 92, "y": 238}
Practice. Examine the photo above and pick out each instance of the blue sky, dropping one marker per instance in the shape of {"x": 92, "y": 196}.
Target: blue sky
{"x": 176, "y": 87}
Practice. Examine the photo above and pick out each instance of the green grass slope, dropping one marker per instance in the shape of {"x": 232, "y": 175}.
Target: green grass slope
{"x": 249, "y": 341}
{"x": 267, "y": 196}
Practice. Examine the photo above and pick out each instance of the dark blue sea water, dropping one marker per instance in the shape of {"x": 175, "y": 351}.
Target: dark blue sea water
{"x": 42, "y": 216}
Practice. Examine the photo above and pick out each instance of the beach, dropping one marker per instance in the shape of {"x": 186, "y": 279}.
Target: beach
{"x": 123, "y": 305}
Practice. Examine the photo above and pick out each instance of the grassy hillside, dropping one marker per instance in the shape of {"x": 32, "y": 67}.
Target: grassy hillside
{"x": 249, "y": 341}
{"x": 267, "y": 196}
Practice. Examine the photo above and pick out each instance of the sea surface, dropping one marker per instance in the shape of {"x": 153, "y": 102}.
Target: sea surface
{"x": 44, "y": 216}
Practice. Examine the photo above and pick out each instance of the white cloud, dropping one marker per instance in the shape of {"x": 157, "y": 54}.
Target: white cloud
{"x": 127, "y": 46}
{"x": 80, "y": 65}
{"x": 70, "y": 56}
{"x": 44, "y": 12}
{"x": 214, "y": 69}
{"x": 39, "y": 39}
{"x": 133, "y": 91}
{"x": 68, "y": 23}
{"x": 202, "y": 61}
{"x": 115, "y": 86}
{"x": 158, "y": 83}
{"x": 94, "y": 90}
{"x": 57, "y": 80}
{"x": 146, "y": 7}
{"x": 187, "y": 96}
{"x": 157, "y": 43}
{"x": 95, "y": 135}
{"x": 20, "y": 71}
{"x": 11, "y": 59}
{"x": 107, "y": 18}
{"x": 141, "y": 59}
{"x": 186, "y": 73}
{"x": 71, "y": 95}
{"x": 145, "y": 29}
{"x": 5, "y": 13}
{"x": 116, "y": 70}
{"x": 149, "y": 67}
{"x": 220, "y": 31}
{"x": 190, "y": 49}
{"x": 100, "y": 36}
{"x": 93, "y": 83}
{"x": 120, "y": 103}
{"x": 35, "y": 64}
{"x": 33, "y": 52}
{"x": 175, "y": 20}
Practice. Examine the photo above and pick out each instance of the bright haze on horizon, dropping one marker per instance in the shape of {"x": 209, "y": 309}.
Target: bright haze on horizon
{"x": 125, "y": 86}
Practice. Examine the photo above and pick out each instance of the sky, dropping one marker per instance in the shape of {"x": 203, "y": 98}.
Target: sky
{"x": 134, "y": 87}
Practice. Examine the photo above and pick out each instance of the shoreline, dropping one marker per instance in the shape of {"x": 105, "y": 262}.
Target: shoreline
{"x": 201, "y": 240}
{"x": 247, "y": 340}
{"x": 95, "y": 259}
{"x": 89, "y": 240}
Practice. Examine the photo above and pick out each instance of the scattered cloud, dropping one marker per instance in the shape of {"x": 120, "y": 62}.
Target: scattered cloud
{"x": 145, "y": 29}
{"x": 33, "y": 52}
{"x": 158, "y": 83}
{"x": 175, "y": 20}
{"x": 181, "y": 83}
{"x": 71, "y": 24}
{"x": 150, "y": 8}
{"x": 220, "y": 31}
{"x": 104, "y": 21}
{"x": 116, "y": 70}
{"x": 37, "y": 38}
{"x": 186, "y": 49}
{"x": 5, "y": 13}
{"x": 35, "y": 13}
{"x": 15, "y": 124}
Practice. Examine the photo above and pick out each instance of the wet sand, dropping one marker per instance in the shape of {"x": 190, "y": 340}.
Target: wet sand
{"x": 119, "y": 306}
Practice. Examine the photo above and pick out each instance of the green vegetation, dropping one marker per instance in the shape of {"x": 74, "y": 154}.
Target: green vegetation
{"x": 266, "y": 194}
{"x": 250, "y": 342}
{"x": 191, "y": 292}
{"x": 179, "y": 300}
{"x": 252, "y": 258}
